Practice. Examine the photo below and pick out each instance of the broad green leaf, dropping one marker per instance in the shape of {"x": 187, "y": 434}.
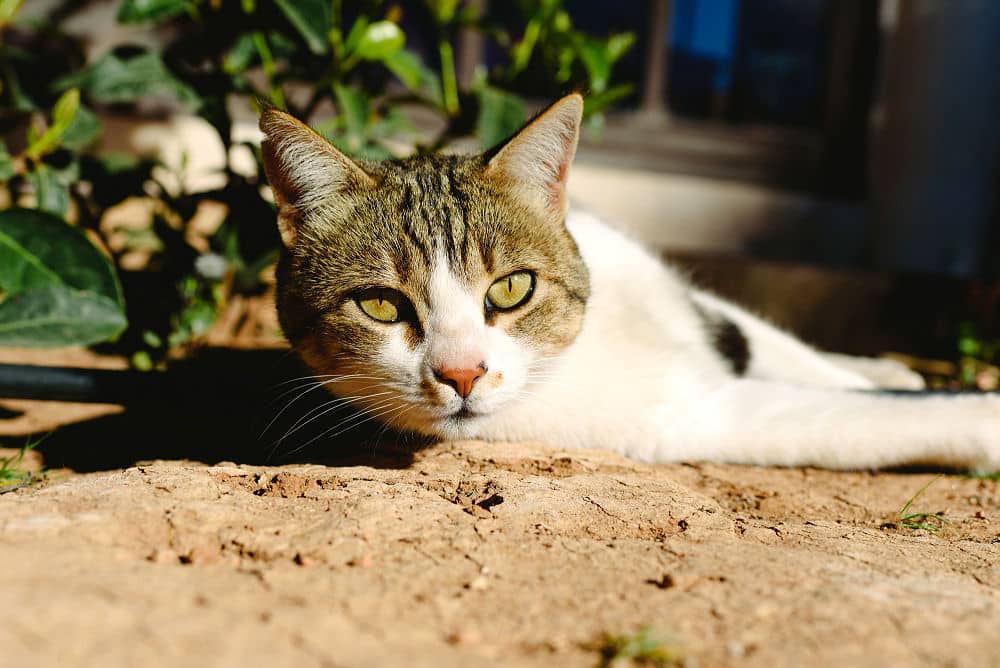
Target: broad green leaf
{"x": 357, "y": 31}
{"x": 51, "y": 191}
{"x": 82, "y": 131}
{"x": 414, "y": 74}
{"x": 62, "y": 115}
{"x": 38, "y": 249}
{"x": 355, "y": 109}
{"x": 311, "y": 18}
{"x": 380, "y": 40}
{"x": 140, "y": 11}
{"x": 500, "y": 115}
{"x": 58, "y": 315}
{"x": 112, "y": 79}
{"x": 241, "y": 55}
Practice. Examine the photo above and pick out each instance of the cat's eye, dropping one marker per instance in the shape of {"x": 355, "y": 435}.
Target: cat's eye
{"x": 510, "y": 291}
{"x": 383, "y": 304}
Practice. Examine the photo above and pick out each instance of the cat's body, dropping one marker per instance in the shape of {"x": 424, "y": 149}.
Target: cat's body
{"x": 455, "y": 297}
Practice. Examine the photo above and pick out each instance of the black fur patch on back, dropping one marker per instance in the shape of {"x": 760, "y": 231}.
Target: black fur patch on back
{"x": 727, "y": 339}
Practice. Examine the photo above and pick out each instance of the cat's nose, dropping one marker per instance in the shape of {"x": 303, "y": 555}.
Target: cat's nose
{"x": 461, "y": 380}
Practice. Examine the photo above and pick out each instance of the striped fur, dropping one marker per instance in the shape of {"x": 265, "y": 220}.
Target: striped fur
{"x": 610, "y": 348}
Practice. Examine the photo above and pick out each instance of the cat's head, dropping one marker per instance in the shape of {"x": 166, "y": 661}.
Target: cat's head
{"x": 430, "y": 291}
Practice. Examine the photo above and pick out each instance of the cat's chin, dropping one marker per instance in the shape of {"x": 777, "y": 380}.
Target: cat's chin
{"x": 461, "y": 425}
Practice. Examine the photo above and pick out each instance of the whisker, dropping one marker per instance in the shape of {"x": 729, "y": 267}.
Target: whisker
{"x": 331, "y": 378}
{"x": 347, "y": 425}
{"x": 304, "y": 393}
{"x": 325, "y": 409}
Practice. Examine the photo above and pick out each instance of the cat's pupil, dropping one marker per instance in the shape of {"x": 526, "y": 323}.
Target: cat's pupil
{"x": 510, "y": 284}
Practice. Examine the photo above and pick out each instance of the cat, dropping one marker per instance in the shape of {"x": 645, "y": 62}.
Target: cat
{"x": 459, "y": 297}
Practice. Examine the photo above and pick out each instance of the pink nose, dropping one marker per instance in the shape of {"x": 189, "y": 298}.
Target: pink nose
{"x": 461, "y": 379}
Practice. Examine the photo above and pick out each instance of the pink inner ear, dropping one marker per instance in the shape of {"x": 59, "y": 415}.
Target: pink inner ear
{"x": 557, "y": 187}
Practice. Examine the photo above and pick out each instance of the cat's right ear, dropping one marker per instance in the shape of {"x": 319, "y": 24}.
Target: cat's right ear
{"x": 307, "y": 174}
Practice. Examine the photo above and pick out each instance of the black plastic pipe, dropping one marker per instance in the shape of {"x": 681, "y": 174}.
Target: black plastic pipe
{"x": 102, "y": 386}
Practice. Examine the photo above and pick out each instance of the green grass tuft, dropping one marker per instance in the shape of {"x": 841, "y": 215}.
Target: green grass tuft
{"x": 645, "y": 647}
{"x": 12, "y": 474}
{"x": 918, "y": 520}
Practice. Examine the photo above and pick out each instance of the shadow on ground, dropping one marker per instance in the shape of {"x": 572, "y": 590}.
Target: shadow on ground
{"x": 219, "y": 406}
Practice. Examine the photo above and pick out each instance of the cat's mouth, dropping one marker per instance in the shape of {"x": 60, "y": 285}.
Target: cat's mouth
{"x": 464, "y": 413}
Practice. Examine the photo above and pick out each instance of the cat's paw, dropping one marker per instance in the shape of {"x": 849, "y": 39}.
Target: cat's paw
{"x": 988, "y": 462}
{"x": 892, "y": 374}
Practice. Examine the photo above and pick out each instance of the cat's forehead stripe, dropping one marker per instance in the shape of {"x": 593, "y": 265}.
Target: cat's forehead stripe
{"x": 434, "y": 209}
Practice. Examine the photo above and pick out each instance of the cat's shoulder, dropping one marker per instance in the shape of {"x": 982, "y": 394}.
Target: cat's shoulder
{"x": 604, "y": 244}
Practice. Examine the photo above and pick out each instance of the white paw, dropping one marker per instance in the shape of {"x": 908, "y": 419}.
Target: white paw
{"x": 989, "y": 433}
{"x": 891, "y": 374}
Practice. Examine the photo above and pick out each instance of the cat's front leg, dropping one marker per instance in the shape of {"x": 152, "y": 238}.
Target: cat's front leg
{"x": 777, "y": 424}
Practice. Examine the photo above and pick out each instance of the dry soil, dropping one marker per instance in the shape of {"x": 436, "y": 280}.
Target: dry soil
{"x": 487, "y": 554}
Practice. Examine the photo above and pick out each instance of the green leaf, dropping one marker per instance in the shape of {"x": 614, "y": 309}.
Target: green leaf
{"x": 51, "y": 192}
{"x": 443, "y": 10}
{"x": 82, "y": 131}
{"x": 8, "y": 10}
{"x": 500, "y": 115}
{"x": 140, "y": 11}
{"x": 62, "y": 115}
{"x": 7, "y": 170}
{"x": 618, "y": 45}
{"x": 380, "y": 40}
{"x": 311, "y": 18}
{"x": 416, "y": 76}
{"x": 113, "y": 79}
{"x": 241, "y": 55}
{"x": 595, "y": 104}
{"x": 38, "y": 249}
{"x": 59, "y": 289}
{"x": 969, "y": 346}
{"x": 58, "y": 315}
{"x": 12, "y": 88}
{"x": 355, "y": 110}
{"x": 595, "y": 60}
{"x": 356, "y": 33}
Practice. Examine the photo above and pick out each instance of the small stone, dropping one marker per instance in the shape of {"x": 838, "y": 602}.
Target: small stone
{"x": 163, "y": 556}
{"x": 737, "y": 650}
{"x": 464, "y": 637}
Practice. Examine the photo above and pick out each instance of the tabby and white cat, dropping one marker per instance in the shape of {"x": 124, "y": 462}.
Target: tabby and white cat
{"x": 454, "y": 296}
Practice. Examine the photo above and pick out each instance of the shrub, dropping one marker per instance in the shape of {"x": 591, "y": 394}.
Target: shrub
{"x": 306, "y": 56}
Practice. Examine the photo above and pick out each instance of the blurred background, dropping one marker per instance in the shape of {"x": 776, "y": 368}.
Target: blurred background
{"x": 832, "y": 163}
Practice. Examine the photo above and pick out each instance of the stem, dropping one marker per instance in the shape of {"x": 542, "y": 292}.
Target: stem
{"x": 449, "y": 86}
{"x": 267, "y": 63}
{"x": 522, "y": 52}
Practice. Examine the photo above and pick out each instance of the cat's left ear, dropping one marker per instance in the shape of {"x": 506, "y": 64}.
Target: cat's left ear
{"x": 306, "y": 173}
{"x": 537, "y": 159}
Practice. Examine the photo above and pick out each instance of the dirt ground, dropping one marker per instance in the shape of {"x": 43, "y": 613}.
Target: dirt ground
{"x": 472, "y": 554}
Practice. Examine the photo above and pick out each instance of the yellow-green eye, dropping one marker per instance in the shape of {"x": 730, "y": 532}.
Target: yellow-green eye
{"x": 510, "y": 291}
{"x": 383, "y": 304}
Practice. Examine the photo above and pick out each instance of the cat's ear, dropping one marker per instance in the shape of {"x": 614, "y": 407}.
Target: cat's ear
{"x": 537, "y": 159}
{"x": 306, "y": 172}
